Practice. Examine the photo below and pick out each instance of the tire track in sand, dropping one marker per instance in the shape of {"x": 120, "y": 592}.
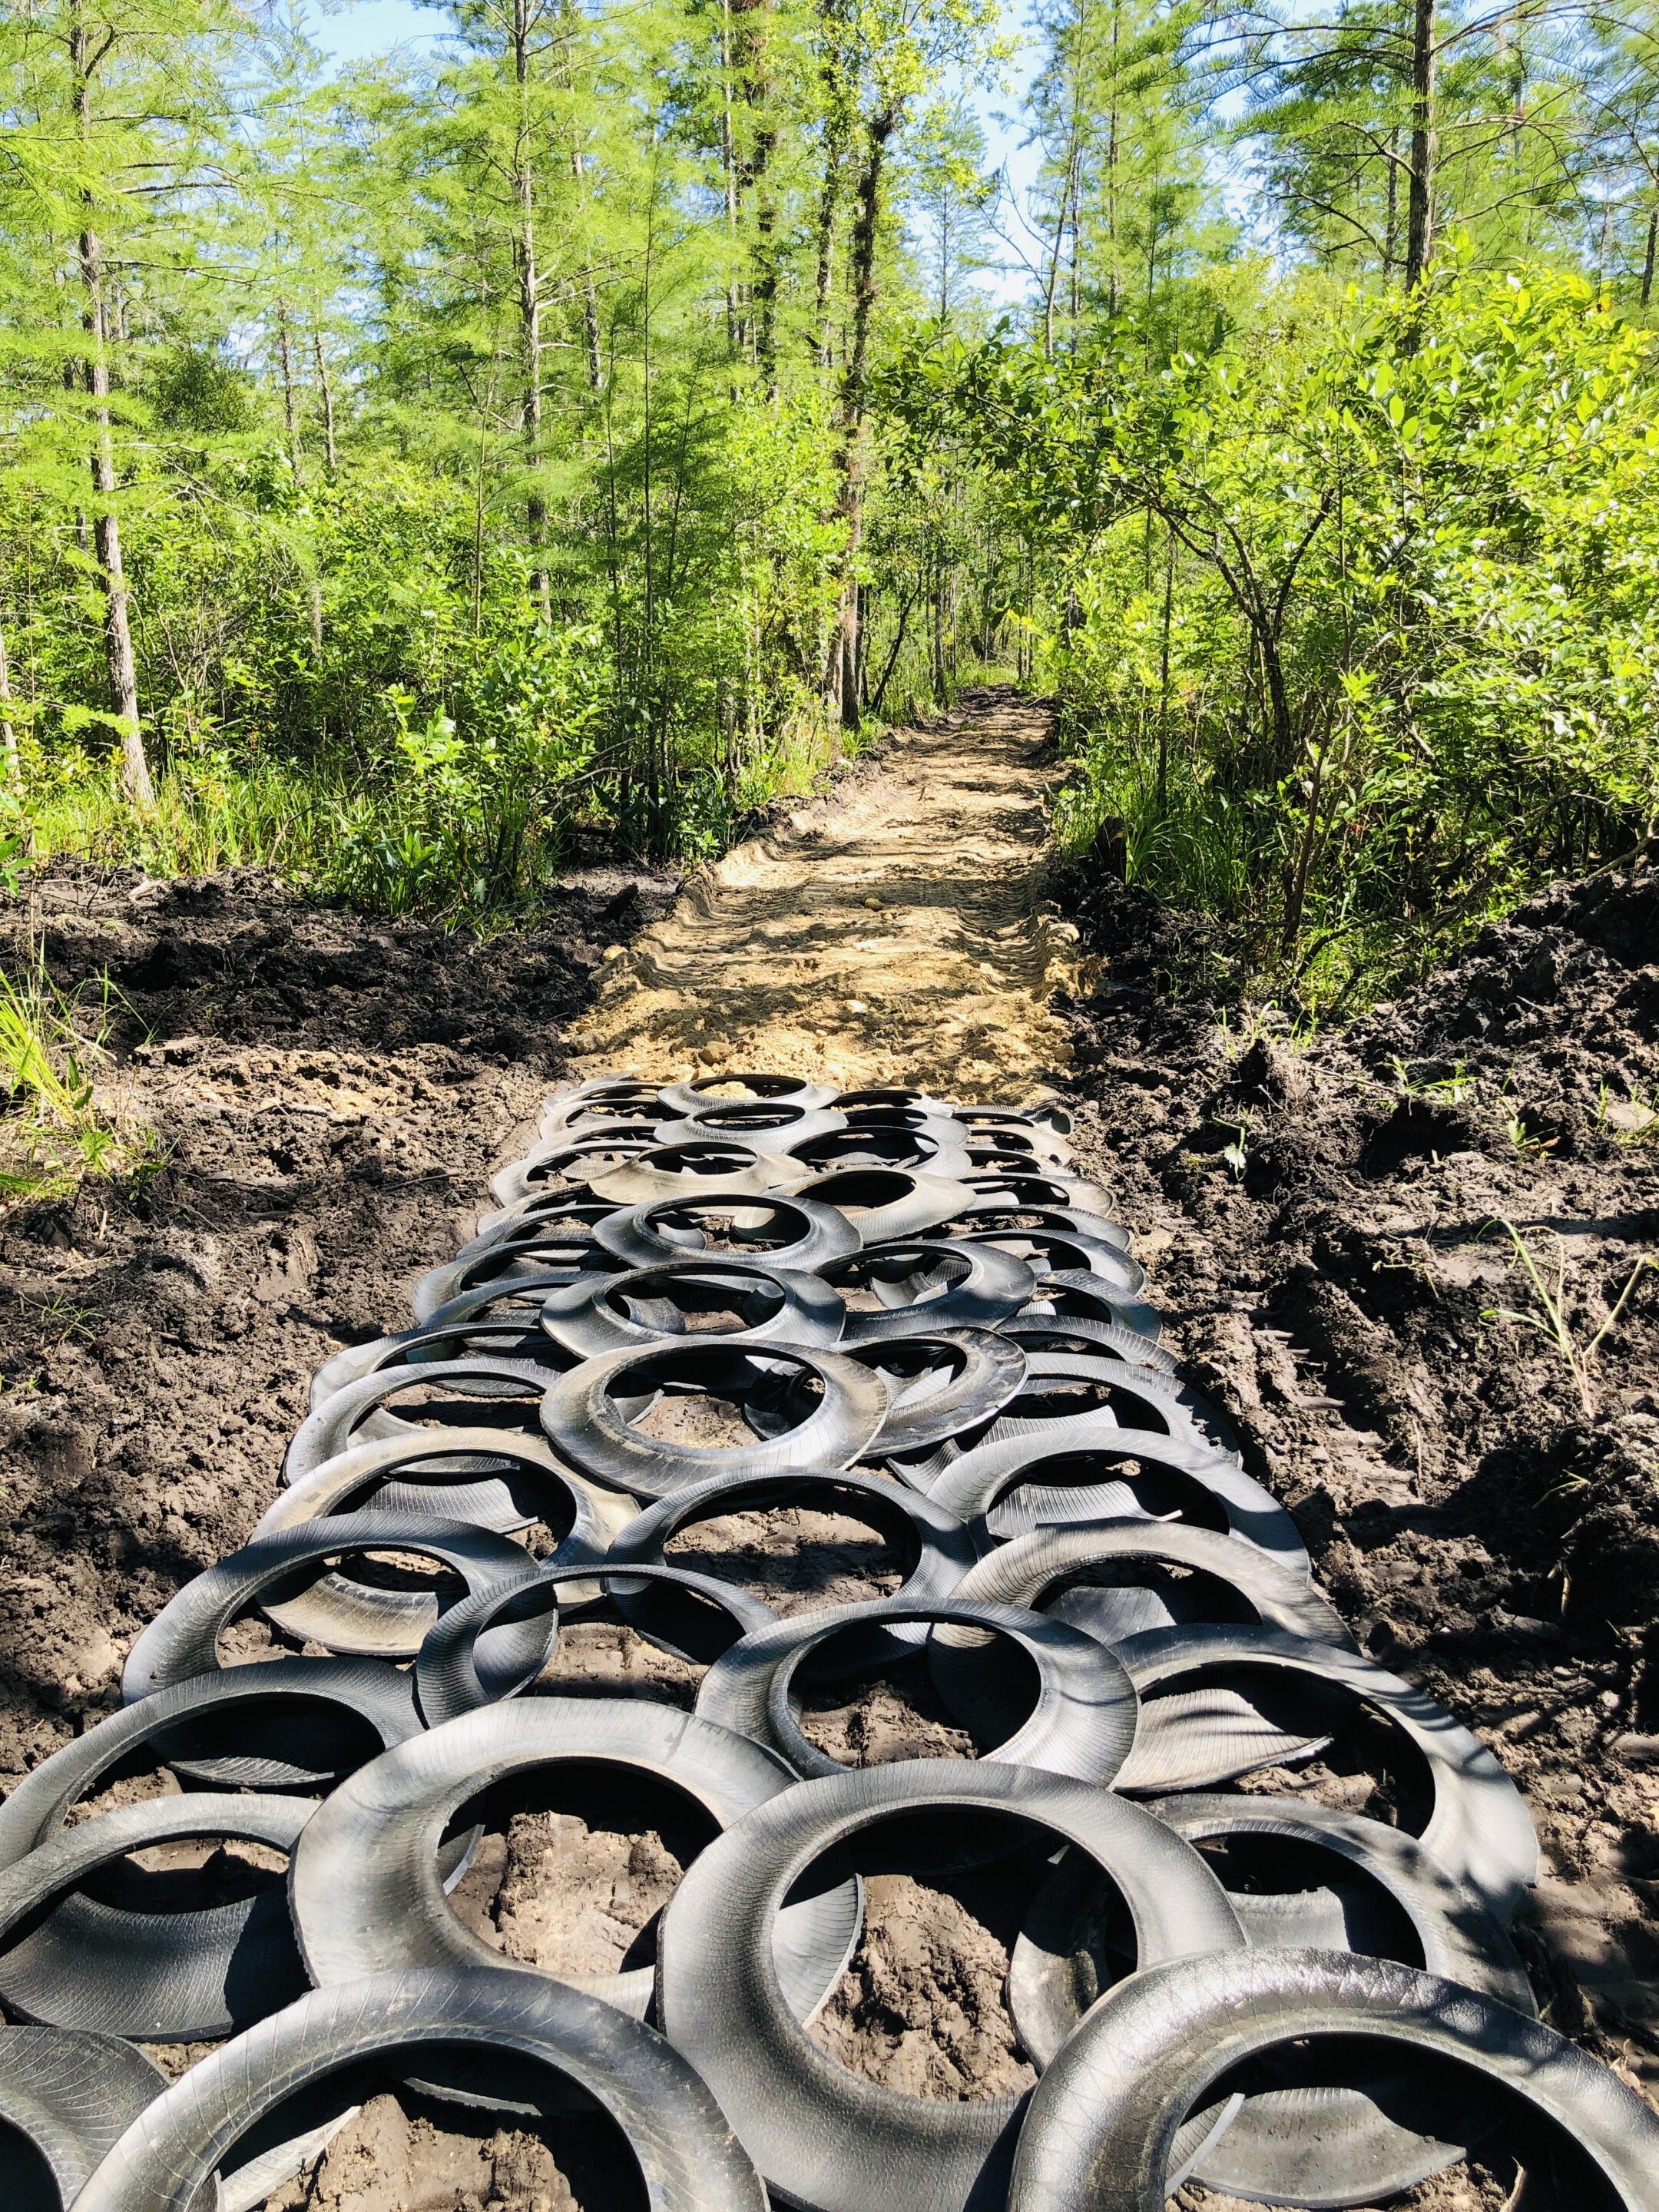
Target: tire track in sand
{"x": 775, "y": 958}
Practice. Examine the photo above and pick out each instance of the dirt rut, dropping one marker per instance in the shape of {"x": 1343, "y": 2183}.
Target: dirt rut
{"x": 896, "y": 931}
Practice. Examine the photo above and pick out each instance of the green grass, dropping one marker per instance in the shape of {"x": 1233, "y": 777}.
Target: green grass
{"x": 59, "y": 1127}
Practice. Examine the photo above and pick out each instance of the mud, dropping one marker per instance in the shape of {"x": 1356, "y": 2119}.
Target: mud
{"x": 1321, "y": 1222}
{"x": 330, "y": 1095}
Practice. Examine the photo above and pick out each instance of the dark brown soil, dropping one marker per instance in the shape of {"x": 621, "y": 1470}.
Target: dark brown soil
{"x": 329, "y": 1093}
{"x": 1322, "y": 1225}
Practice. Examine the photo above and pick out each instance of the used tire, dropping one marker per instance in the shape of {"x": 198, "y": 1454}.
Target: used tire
{"x": 940, "y": 1552}
{"x": 882, "y": 1203}
{"x": 1052, "y": 1570}
{"x": 688, "y": 2158}
{"x": 70, "y": 2096}
{"x": 161, "y": 1977}
{"x": 611, "y": 1313}
{"x": 581, "y": 1414}
{"x": 518, "y": 1480}
{"x": 366, "y": 1887}
{"x": 925, "y": 1284}
{"x": 1103, "y": 2120}
{"x": 684, "y": 1171}
{"x": 1083, "y": 1724}
{"x": 361, "y": 1406}
{"x": 352, "y": 1618}
{"x": 451, "y": 1677}
{"x": 694, "y": 1096}
{"x": 824, "y": 2138}
{"x": 1478, "y": 1826}
{"x": 373, "y": 1704}
{"x": 940, "y": 1380}
{"x": 786, "y": 1232}
{"x": 1201, "y": 1485}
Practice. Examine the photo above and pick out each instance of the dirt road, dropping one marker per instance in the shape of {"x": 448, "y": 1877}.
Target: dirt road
{"x": 897, "y": 932}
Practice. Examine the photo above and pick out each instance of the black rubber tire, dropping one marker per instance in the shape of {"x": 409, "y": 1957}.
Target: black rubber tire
{"x": 1036, "y": 1189}
{"x": 357, "y": 1414}
{"x": 489, "y": 1479}
{"x": 368, "y": 1693}
{"x": 824, "y": 2137}
{"x": 942, "y": 1551}
{"x": 584, "y": 1117}
{"x": 353, "y": 1619}
{"x": 795, "y": 1090}
{"x": 365, "y": 1885}
{"x": 686, "y": 1170}
{"x": 502, "y": 1270}
{"x": 973, "y": 1487}
{"x": 560, "y": 1217}
{"x": 592, "y": 1316}
{"x": 71, "y": 2096}
{"x": 1014, "y": 1133}
{"x": 1103, "y": 2120}
{"x": 448, "y": 1680}
{"x": 882, "y": 1204}
{"x": 768, "y": 1125}
{"x": 464, "y": 1328}
{"x": 989, "y": 1368}
{"x": 1083, "y": 1725}
{"x": 1050, "y": 1566}
{"x": 997, "y": 1215}
{"x": 568, "y": 1159}
{"x": 583, "y": 1419}
{"x": 156, "y": 1977}
{"x": 934, "y": 1148}
{"x": 820, "y": 1233}
{"x": 688, "y": 2158}
{"x": 991, "y": 1287}
{"x": 1479, "y": 1829}
{"x": 1138, "y": 1399}
{"x": 1074, "y": 1291}
{"x": 1050, "y": 1251}
{"x": 1038, "y": 1333}
{"x": 1388, "y": 1890}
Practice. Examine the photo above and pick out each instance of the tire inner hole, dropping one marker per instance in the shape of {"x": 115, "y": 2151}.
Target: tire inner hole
{"x": 922, "y": 2007}
{"x": 867, "y": 1710}
{"x": 576, "y": 1864}
{"x": 796, "y": 1558}
{"x": 392, "y": 2146}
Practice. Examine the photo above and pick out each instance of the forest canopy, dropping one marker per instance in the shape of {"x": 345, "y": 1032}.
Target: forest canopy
{"x": 589, "y": 419}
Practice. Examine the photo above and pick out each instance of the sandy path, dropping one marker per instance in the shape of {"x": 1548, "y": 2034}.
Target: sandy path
{"x": 894, "y": 932}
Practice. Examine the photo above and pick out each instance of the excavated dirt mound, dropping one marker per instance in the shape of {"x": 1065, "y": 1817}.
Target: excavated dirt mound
{"x": 1324, "y": 1230}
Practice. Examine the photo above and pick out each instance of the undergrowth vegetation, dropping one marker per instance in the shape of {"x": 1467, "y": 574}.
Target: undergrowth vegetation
{"x": 58, "y": 1123}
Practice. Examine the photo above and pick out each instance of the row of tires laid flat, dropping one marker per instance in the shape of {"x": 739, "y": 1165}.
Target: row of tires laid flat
{"x": 725, "y": 1298}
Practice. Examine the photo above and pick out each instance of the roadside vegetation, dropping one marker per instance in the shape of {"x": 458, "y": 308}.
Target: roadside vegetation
{"x": 588, "y": 423}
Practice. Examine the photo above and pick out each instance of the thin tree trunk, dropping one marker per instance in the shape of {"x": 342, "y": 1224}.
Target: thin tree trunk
{"x": 330, "y": 458}
{"x": 530, "y": 311}
{"x": 1391, "y": 223}
{"x": 735, "y": 329}
{"x": 8, "y": 732}
{"x": 1647, "y": 264}
{"x": 286, "y": 354}
{"x": 835, "y": 155}
{"x": 1419, "y": 207}
{"x": 853, "y": 459}
{"x": 105, "y": 526}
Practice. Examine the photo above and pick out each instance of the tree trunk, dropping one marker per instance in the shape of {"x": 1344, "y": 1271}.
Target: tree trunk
{"x": 286, "y": 354}
{"x": 1647, "y": 264}
{"x": 837, "y": 125}
{"x": 1419, "y": 206}
{"x": 1391, "y": 222}
{"x": 530, "y": 311}
{"x": 330, "y": 458}
{"x": 105, "y": 528}
{"x": 8, "y": 732}
{"x": 854, "y": 458}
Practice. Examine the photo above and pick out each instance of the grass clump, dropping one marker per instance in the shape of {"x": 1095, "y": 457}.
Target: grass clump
{"x": 60, "y": 1128}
